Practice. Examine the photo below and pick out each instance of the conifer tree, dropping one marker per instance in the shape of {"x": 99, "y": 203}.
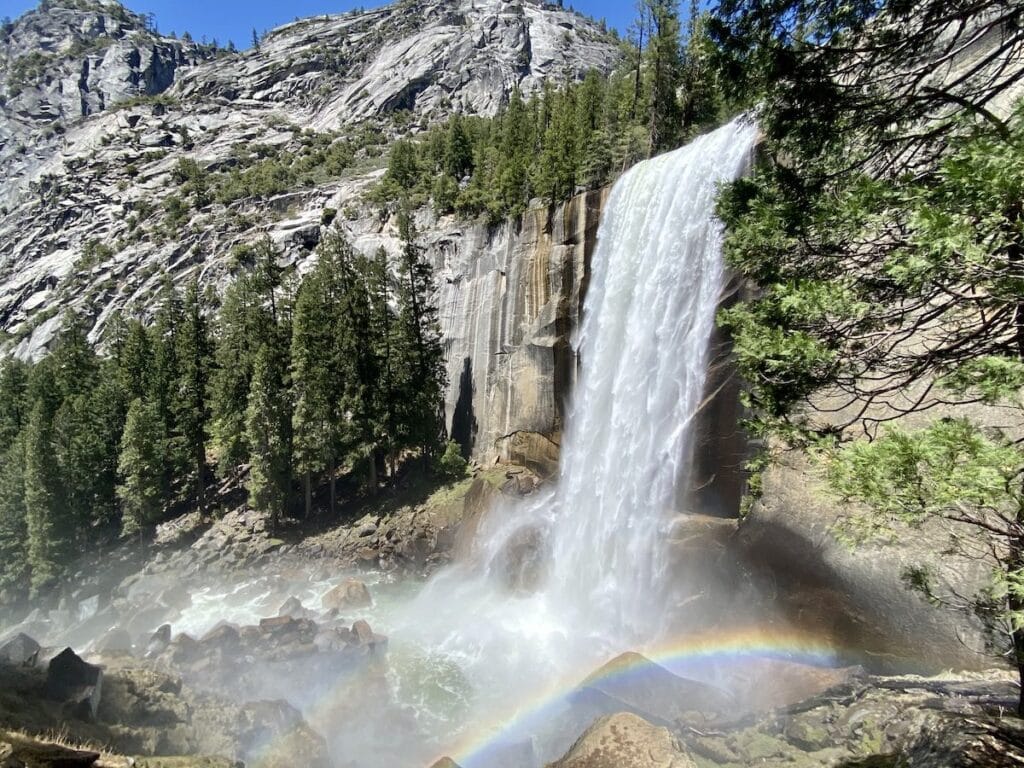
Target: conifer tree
{"x": 49, "y": 543}
{"x": 516, "y": 152}
{"x": 248, "y": 318}
{"x": 132, "y": 353}
{"x": 665, "y": 69}
{"x": 458, "y": 151}
{"x": 315, "y": 378}
{"x": 195, "y": 356}
{"x": 163, "y": 381}
{"x": 140, "y": 467}
{"x": 14, "y": 406}
{"x": 13, "y": 526}
{"x": 267, "y": 421}
{"x": 384, "y": 331}
{"x": 420, "y": 354}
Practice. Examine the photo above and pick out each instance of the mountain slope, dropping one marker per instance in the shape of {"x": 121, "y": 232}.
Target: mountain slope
{"x": 95, "y": 210}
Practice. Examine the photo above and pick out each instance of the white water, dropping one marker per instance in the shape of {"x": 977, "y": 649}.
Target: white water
{"x": 577, "y": 575}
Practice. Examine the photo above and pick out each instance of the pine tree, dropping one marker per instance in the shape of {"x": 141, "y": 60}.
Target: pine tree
{"x": 140, "y": 468}
{"x": 163, "y": 381}
{"x": 458, "y": 151}
{"x": 267, "y": 421}
{"x": 248, "y": 318}
{"x": 516, "y": 152}
{"x": 132, "y": 352}
{"x": 315, "y": 378}
{"x": 13, "y": 526}
{"x": 385, "y": 327}
{"x": 14, "y": 406}
{"x": 360, "y": 364}
{"x": 665, "y": 70}
{"x": 419, "y": 351}
{"x": 49, "y": 544}
{"x": 75, "y": 363}
{"x": 195, "y": 356}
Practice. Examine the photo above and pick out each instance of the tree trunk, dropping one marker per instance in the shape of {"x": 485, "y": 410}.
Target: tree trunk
{"x": 201, "y": 476}
{"x": 308, "y": 483}
{"x": 371, "y": 475}
{"x": 334, "y": 496}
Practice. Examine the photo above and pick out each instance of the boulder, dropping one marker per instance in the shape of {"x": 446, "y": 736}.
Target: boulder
{"x": 115, "y": 642}
{"x": 223, "y": 636}
{"x": 351, "y": 593}
{"x": 293, "y": 607}
{"x": 19, "y": 651}
{"x": 630, "y": 682}
{"x": 158, "y": 641}
{"x": 20, "y": 752}
{"x": 74, "y": 682}
{"x": 626, "y": 741}
{"x": 363, "y": 636}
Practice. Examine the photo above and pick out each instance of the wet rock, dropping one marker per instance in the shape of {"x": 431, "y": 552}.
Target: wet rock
{"x": 363, "y": 636}
{"x": 75, "y": 683}
{"x": 632, "y": 683}
{"x": 158, "y": 641}
{"x": 293, "y": 607}
{"x": 352, "y": 593}
{"x": 182, "y": 649}
{"x": 115, "y": 642}
{"x": 521, "y": 563}
{"x": 279, "y": 738}
{"x": 626, "y": 741}
{"x": 19, "y": 651}
{"x": 224, "y": 637}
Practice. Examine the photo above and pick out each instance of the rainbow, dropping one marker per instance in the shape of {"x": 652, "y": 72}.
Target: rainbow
{"x": 718, "y": 648}
{"x": 713, "y": 650}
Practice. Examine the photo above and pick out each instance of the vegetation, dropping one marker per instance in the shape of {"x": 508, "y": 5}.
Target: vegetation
{"x": 884, "y": 228}
{"x": 342, "y": 369}
{"x": 563, "y": 140}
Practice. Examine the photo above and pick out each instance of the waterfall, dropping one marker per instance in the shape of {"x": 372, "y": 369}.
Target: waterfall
{"x": 577, "y": 572}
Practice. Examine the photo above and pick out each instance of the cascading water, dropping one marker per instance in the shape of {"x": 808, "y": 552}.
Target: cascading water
{"x": 577, "y": 574}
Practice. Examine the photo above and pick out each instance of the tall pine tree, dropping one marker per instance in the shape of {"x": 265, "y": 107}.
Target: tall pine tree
{"x": 268, "y": 428}
{"x": 140, "y": 467}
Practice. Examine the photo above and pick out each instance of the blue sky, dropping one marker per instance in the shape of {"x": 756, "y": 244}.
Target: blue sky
{"x": 234, "y": 19}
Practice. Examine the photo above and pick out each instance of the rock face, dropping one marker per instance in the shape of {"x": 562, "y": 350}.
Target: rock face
{"x": 425, "y": 56}
{"x": 625, "y": 741}
{"x": 510, "y": 299}
{"x": 69, "y": 62}
{"x": 86, "y": 208}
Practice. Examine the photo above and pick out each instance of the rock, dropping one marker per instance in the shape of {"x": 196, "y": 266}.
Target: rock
{"x": 625, "y": 741}
{"x": 299, "y": 745}
{"x": 115, "y": 642}
{"x": 293, "y": 607}
{"x": 182, "y": 649}
{"x": 224, "y": 636}
{"x": 74, "y": 682}
{"x": 19, "y": 651}
{"x": 32, "y": 753}
{"x": 158, "y": 641}
{"x": 349, "y": 594}
{"x": 631, "y": 682}
{"x": 445, "y": 762}
{"x": 364, "y": 637}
